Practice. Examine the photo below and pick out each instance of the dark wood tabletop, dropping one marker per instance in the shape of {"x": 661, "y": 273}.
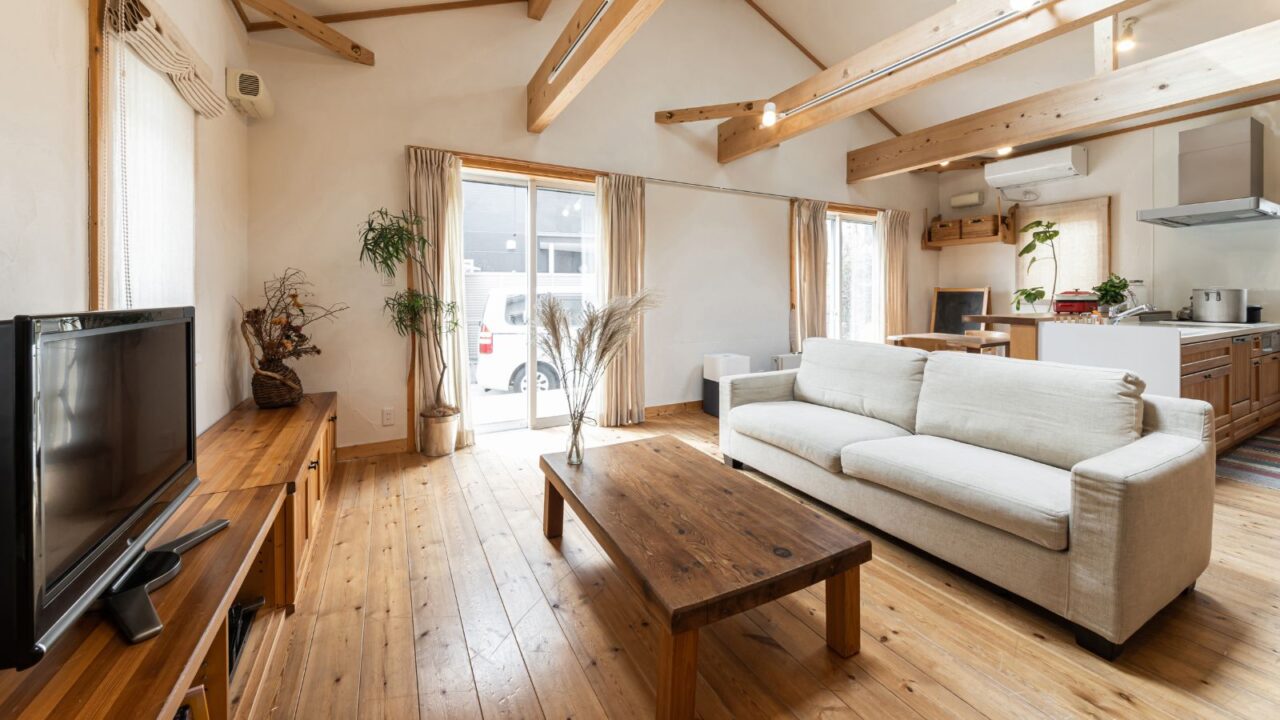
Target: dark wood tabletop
{"x": 699, "y": 540}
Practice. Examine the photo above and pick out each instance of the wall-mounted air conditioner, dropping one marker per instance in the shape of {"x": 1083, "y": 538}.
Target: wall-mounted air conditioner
{"x": 1050, "y": 165}
{"x": 249, "y": 95}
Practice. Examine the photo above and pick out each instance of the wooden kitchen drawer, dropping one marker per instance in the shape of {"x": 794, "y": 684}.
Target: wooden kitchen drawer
{"x": 981, "y": 226}
{"x": 944, "y": 230}
{"x": 1246, "y": 426}
{"x": 1202, "y": 356}
{"x": 1212, "y": 387}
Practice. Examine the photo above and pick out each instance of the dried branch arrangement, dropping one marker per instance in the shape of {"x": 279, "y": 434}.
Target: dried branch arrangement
{"x": 276, "y": 332}
{"x": 581, "y": 358}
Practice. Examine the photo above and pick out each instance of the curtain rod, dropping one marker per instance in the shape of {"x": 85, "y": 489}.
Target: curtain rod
{"x": 493, "y": 162}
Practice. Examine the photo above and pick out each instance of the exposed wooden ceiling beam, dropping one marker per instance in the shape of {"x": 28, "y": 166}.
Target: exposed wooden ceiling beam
{"x": 1105, "y": 57}
{"x": 390, "y": 12}
{"x": 538, "y": 8}
{"x": 308, "y": 26}
{"x": 813, "y": 58}
{"x": 582, "y": 51}
{"x": 966, "y": 164}
{"x": 708, "y": 112}
{"x": 244, "y": 17}
{"x": 1245, "y": 62}
{"x": 740, "y": 137}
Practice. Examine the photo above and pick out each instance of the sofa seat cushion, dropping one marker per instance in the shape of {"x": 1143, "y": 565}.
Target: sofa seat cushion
{"x": 1022, "y": 497}
{"x": 813, "y": 432}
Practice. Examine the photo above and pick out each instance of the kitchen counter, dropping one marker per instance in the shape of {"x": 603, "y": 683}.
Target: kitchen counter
{"x": 1193, "y": 332}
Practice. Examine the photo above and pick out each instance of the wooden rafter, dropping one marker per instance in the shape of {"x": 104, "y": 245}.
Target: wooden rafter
{"x": 1243, "y": 63}
{"x": 1105, "y": 32}
{"x": 389, "y": 12}
{"x": 740, "y": 137}
{"x": 244, "y": 17}
{"x": 813, "y": 58}
{"x": 582, "y": 51}
{"x": 708, "y": 112}
{"x": 538, "y": 8}
{"x": 310, "y": 27}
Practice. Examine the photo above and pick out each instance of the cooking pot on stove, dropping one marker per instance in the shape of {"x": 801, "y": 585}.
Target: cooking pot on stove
{"x": 1075, "y": 301}
{"x": 1220, "y": 305}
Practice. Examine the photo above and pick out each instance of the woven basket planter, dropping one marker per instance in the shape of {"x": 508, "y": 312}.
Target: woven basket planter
{"x": 276, "y": 385}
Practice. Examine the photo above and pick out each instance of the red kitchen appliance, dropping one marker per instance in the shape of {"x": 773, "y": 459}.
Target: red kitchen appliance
{"x": 1075, "y": 302}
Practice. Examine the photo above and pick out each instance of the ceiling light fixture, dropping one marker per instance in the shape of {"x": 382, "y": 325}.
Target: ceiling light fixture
{"x": 1020, "y": 7}
{"x": 770, "y": 116}
{"x": 1127, "y": 40}
{"x": 595, "y": 18}
{"x": 1004, "y": 150}
{"x": 944, "y": 163}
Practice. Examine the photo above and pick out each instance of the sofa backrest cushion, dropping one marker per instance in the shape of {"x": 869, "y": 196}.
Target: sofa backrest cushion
{"x": 871, "y": 379}
{"x": 1048, "y": 412}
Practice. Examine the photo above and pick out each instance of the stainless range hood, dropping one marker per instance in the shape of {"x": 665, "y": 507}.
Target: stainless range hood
{"x": 1219, "y": 178}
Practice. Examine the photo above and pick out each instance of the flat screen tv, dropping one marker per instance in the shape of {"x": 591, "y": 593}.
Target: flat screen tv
{"x": 97, "y": 447}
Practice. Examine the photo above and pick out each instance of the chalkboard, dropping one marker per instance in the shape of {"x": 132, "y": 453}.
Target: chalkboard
{"x": 950, "y": 304}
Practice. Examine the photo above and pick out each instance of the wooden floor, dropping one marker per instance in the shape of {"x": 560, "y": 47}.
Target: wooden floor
{"x": 435, "y": 595}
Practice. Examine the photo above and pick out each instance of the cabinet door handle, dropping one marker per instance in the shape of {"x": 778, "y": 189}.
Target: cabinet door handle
{"x": 313, "y": 464}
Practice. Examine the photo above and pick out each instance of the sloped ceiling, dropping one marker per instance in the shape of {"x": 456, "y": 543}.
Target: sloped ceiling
{"x": 835, "y": 29}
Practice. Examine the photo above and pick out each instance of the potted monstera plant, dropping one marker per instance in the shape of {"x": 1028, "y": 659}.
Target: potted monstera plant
{"x": 388, "y": 242}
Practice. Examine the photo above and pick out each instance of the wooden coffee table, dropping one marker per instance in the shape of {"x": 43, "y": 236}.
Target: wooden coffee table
{"x": 700, "y": 542}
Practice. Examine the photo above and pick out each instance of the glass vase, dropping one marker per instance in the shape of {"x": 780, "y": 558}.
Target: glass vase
{"x": 574, "y": 455}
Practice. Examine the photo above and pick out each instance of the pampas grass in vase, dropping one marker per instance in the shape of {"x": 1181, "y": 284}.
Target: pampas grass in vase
{"x": 581, "y": 358}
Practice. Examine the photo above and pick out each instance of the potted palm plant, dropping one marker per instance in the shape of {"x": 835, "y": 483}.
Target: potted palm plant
{"x": 389, "y": 241}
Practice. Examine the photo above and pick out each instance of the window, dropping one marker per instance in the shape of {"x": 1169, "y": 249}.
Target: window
{"x": 149, "y": 242}
{"x": 855, "y": 279}
{"x": 1084, "y": 247}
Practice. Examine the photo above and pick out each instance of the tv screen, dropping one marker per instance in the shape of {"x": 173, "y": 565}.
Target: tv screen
{"x": 97, "y": 441}
{"x": 113, "y": 418}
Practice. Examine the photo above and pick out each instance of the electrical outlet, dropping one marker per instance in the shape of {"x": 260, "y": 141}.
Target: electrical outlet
{"x": 388, "y": 281}
{"x": 387, "y": 417}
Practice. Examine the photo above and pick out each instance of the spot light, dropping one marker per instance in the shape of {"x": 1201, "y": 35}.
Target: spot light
{"x": 770, "y": 116}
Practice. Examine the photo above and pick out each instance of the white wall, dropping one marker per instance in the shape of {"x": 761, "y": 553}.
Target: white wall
{"x": 44, "y": 181}
{"x": 1139, "y": 170}
{"x": 43, "y": 143}
{"x": 456, "y": 80}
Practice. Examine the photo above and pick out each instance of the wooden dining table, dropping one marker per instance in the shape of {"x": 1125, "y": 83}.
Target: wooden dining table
{"x": 951, "y": 341}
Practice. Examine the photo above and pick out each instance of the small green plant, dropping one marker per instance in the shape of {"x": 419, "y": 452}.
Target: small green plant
{"x": 1031, "y": 296}
{"x": 1112, "y": 291}
{"x": 388, "y": 241}
{"x": 1043, "y": 234}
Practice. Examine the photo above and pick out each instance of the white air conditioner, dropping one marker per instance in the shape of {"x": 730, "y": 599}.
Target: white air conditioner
{"x": 249, "y": 95}
{"x": 1041, "y": 167}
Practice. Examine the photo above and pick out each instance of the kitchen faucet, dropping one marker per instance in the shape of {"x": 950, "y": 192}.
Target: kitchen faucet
{"x": 1115, "y": 317}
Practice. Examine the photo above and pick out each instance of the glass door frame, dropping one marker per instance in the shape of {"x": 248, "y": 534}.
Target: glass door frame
{"x": 532, "y": 184}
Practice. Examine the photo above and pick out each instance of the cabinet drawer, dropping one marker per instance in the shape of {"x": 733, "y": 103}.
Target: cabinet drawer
{"x": 1202, "y": 356}
{"x": 1246, "y": 426}
{"x": 982, "y": 226}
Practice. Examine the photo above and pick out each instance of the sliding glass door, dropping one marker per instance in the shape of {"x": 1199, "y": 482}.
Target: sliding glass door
{"x": 512, "y": 383}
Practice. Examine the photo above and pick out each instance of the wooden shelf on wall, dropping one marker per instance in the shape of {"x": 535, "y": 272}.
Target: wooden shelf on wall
{"x": 972, "y": 230}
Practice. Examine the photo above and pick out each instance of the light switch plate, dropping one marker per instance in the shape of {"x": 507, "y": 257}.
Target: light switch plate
{"x": 387, "y": 417}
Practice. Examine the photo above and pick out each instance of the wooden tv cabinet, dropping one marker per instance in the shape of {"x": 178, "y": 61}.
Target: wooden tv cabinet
{"x": 267, "y": 471}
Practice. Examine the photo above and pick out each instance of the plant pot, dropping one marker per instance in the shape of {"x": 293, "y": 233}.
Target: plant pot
{"x": 279, "y": 386}
{"x": 439, "y": 435}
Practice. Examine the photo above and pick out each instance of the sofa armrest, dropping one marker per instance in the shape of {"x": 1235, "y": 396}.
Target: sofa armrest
{"x": 739, "y": 390}
{"x": 1177, "y": 416}
{"x": 1141, "y": 530}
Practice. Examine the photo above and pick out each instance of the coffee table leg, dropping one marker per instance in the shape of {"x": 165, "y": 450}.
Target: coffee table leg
{"x": 677, "y": 674}
{"x": 552, "y": 511}
{"x": 844, "y": 626}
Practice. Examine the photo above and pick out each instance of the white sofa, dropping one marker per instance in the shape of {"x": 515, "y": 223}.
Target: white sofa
{"x": 1059, "y": 483}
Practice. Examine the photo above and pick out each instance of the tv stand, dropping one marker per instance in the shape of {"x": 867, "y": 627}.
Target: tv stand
{"x": 128, "y": 600}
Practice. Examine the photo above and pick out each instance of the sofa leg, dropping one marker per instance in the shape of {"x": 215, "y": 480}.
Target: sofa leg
{"x": 1098, "y": 645}
{"x": 1190, "y": 589}
{"x": 735, "y": 464}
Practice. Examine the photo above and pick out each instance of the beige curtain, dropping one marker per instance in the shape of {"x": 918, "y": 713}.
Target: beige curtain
{"x": 808, "y": 271}
{"x": 620, "y": 199}
{"x": 157, "y": 40}
{"x": 435, "y": 196}
{"x": 891, "y": 232}
{"x": 1084, "y": 246}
